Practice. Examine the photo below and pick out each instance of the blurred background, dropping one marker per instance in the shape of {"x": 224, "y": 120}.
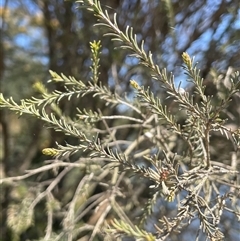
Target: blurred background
{"x": 38, "y": 35}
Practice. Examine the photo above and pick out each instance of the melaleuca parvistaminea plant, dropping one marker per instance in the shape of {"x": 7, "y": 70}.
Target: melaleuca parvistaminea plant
{"x": 173, "y": 157}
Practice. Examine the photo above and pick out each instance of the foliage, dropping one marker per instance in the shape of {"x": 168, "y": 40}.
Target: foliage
{"x": 172, "y": 151}
{"x": 18, "y": 53}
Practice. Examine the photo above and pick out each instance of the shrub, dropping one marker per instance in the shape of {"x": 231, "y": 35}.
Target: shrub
{"x": 173, "y": 143}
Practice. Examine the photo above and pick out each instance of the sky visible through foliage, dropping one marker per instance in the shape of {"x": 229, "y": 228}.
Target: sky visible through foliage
{"x": 182, "y": 32}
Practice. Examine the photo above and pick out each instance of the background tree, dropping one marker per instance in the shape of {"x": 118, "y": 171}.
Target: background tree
{"x": 168, "y": 30}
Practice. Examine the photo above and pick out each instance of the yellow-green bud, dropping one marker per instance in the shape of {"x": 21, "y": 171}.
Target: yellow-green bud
{"x": 38, "y": 86}
{"x": 50, "y": 152}
{"x": 134, "y": 84}
{"x": 187, "y": 60}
